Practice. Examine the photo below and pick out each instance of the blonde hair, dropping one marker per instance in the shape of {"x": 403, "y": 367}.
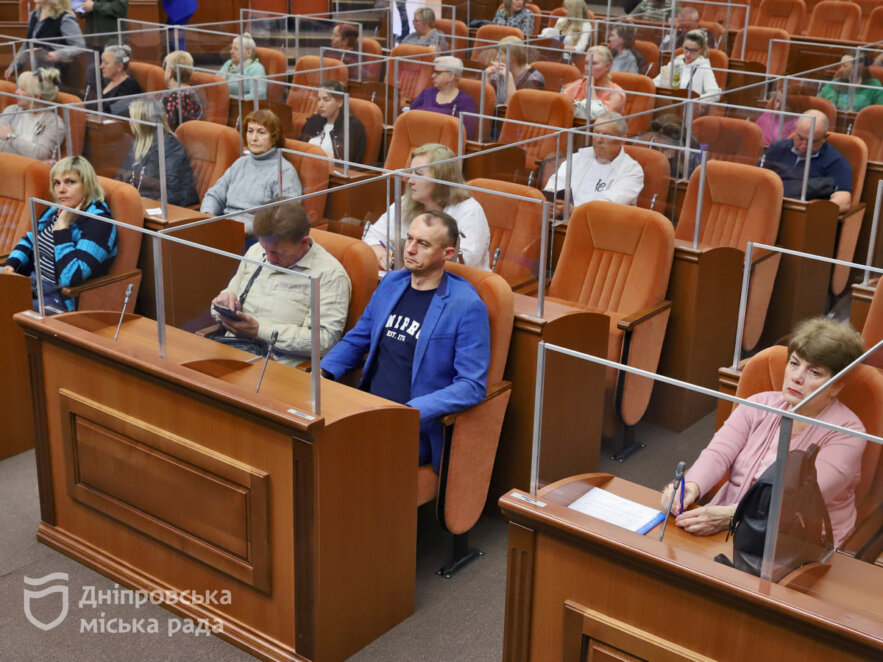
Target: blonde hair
{"x": 42, "y": 83}
{"x": 603, "y": 51}
{"x": 447, "y": 172}
{"x": 701, "y": 40}
{"x": 516, "y": 49}
{"x": 146, "y": 110}
{"x": 576, "y": 14}
{"x": 91, "y": 188}
{"x": 179, "y": 63}
{"x": 56, "y": 8}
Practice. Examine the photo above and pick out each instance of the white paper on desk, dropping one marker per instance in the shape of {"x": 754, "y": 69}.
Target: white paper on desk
{"x": 154, "y": 211}
{"x": 614, "y": 509}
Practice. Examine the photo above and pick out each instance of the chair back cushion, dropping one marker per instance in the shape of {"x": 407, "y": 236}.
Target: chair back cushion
{"x": 636, "y": 103}
{"x": 456, "y": 28}
{"x": 312, "y": 71}
{"x": 741, "y": 203}
{"x": 788, "y": 15}
{"x": 125, "y": 206}
{"x": 472, "y": 87}
{"x": 854, "y": 150}
{"x": 216, "y": 98}
{"x": 497, "y": 296}
{"x": 314, "y": 175}
{"x": 371, "y": 117}
{"x": 757, "y": 44}
{"x": 729, "y": 138}
{"x": 360, "y": 264}
{"x": 556, "y": 74}
{"x": 833, "y": 19}
{"x": 650, "y": 53}
{"x": 657, "y": 174}
{"x": 414, "y": 73}
{"x": 149, "y": 76}
{"x": 493, "y": 33}
{"x": 274, "y": 62}
{"x": 869, "y": 127}
{"x": 416, "y": 128}
{"x": 212, "y": 149}
{"x": 23, "y": 178}
{"x": 515, "y": 227}
{"x": 550, "y": 109}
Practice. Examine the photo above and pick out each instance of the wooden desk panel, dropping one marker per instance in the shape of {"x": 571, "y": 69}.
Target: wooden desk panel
{"x": 331, "y": 568}
{"x": 635, "y": 592}
{"x": 573, "y": 398}
{"x": 15, "y": 405}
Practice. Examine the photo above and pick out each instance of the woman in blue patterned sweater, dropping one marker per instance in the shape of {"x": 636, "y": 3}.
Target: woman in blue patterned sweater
{"x": 72, "y": 248}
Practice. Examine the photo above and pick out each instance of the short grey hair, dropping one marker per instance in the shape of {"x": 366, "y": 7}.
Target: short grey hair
{"x": 614, "y": 118}
{"x": 120, "y": 54}
{"x": 246, "y": 43}
{"x": 452, "y": 64}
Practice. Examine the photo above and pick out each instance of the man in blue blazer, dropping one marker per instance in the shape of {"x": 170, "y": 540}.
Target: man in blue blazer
{"x": 426, "y": 333}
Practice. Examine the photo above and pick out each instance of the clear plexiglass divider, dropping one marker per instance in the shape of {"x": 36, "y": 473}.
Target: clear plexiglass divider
{"x": 180, "y": 268}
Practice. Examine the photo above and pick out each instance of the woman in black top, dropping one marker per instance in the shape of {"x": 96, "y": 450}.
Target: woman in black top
{"x": 325, "y": 128}
{"x": 53, "y": 20}
{"x": 116, "y": 79}
{"x": 141, "y": 168}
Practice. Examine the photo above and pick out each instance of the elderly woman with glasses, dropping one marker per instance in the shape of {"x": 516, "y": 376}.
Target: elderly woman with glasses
{"x": 425, "y": 33}
{"x": 691, "y": 65}
{"x": 446, "y": 97}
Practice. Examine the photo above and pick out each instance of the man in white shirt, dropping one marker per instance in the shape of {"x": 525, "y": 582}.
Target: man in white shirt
{"x": 603, "y": 171}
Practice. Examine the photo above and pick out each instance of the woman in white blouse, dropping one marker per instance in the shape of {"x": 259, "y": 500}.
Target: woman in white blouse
{"x": 29, "y": 127}
{"x": 421, "y": 195}
{"x": 693, "y": 64}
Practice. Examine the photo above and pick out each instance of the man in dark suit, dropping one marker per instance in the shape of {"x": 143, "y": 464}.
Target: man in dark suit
{"x": 426, "y": 333}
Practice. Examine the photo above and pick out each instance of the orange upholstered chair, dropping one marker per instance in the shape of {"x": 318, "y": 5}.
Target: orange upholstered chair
{"x": 314, "y": 175}
{"x": 741, "y": 203}
{"x": 492, "y": 33}
{"x": 360, "y": 264}
{"x": 719, "y": 63}
{"x": 834, "y": 19}
{"x": 862, "y": 393}
{"x": 216, "y": 106}
{"x": 372, "y": 67}
{"x": 109, "y": 291}
{"x": 556, "y": 74}
{"x": 414, "y": 74}
{"x": 416, "y": 128}
{"x": 275, "y": 63}
{"x": 855, "y": 152}
{"x": 657, "y": 174}
{"x": 867, "y": 8}
{"x": 651, "y": 55}
{"x": 550, "y": 109}
{"x": 641, "y": 102}
{"x": 616, "y": 260}
{"x": 729, "y": 138}
{"x": 787, "y": 15}
{"x": 77, "y": 123}
{"x": 471, "y": 436}
{"x": 22, "y": 179}
{"x": 149, "y": 76}
{"x": 7, "y": 87}
{"x": 515, "y": 228}
{"x": 869, "y": 127}
{"x": 371, "y": 117}
{"x": 800, "y": 103}
{"x": 472, "y": 87}
{"x": 872, "y": 331}
{"x": 212, "y": 149}
{"x": 459, "y": 31}
{"x": 311, "y": 71}
{"x": 757, "y": 44}
{"x": 873, "y": 30}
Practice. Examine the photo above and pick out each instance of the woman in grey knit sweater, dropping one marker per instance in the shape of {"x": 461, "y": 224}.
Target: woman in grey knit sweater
{"x": 253, "y": 179}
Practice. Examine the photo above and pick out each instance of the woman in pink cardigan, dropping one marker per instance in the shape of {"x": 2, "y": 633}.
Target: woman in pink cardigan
{"x": 746, "y": 444}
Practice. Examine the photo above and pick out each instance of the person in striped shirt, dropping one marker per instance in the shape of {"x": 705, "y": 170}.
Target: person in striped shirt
{"x": 71, "y": 248}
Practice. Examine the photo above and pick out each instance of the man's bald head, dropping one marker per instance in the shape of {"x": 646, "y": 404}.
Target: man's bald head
{"x": 818, "y": 121}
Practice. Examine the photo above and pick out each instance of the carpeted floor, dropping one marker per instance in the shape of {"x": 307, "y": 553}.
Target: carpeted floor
{"x": 454, "y": 620}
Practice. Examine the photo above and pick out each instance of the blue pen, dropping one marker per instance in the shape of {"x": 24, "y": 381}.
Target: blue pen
{"x": 682, "y": 494}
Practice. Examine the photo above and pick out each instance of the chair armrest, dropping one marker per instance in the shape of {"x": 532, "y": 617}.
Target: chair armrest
{"x": 852, "y": 210}
{"x": 74, "y": 291}
{"x": 629, "y": 323}
{"x": 528, "y": 286}
{"x": 493, "y": 392}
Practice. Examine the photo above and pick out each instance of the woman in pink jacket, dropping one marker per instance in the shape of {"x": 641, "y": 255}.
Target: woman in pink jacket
{"x": 746, "y": 444}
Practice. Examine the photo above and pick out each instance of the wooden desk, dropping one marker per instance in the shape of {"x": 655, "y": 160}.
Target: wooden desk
{"x": 573, "y": 397}
{"x": 191, "y": 278}
{"x": 172, "y": 474}
{"x": 575, "y": 581}
{"x": 15, "y": 405}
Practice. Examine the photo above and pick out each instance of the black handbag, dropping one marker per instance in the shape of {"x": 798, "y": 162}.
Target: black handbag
{"x": 801, "y": 538}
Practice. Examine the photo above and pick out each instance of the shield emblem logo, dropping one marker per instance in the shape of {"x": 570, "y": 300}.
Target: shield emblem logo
{"x": 30, "y": 595}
